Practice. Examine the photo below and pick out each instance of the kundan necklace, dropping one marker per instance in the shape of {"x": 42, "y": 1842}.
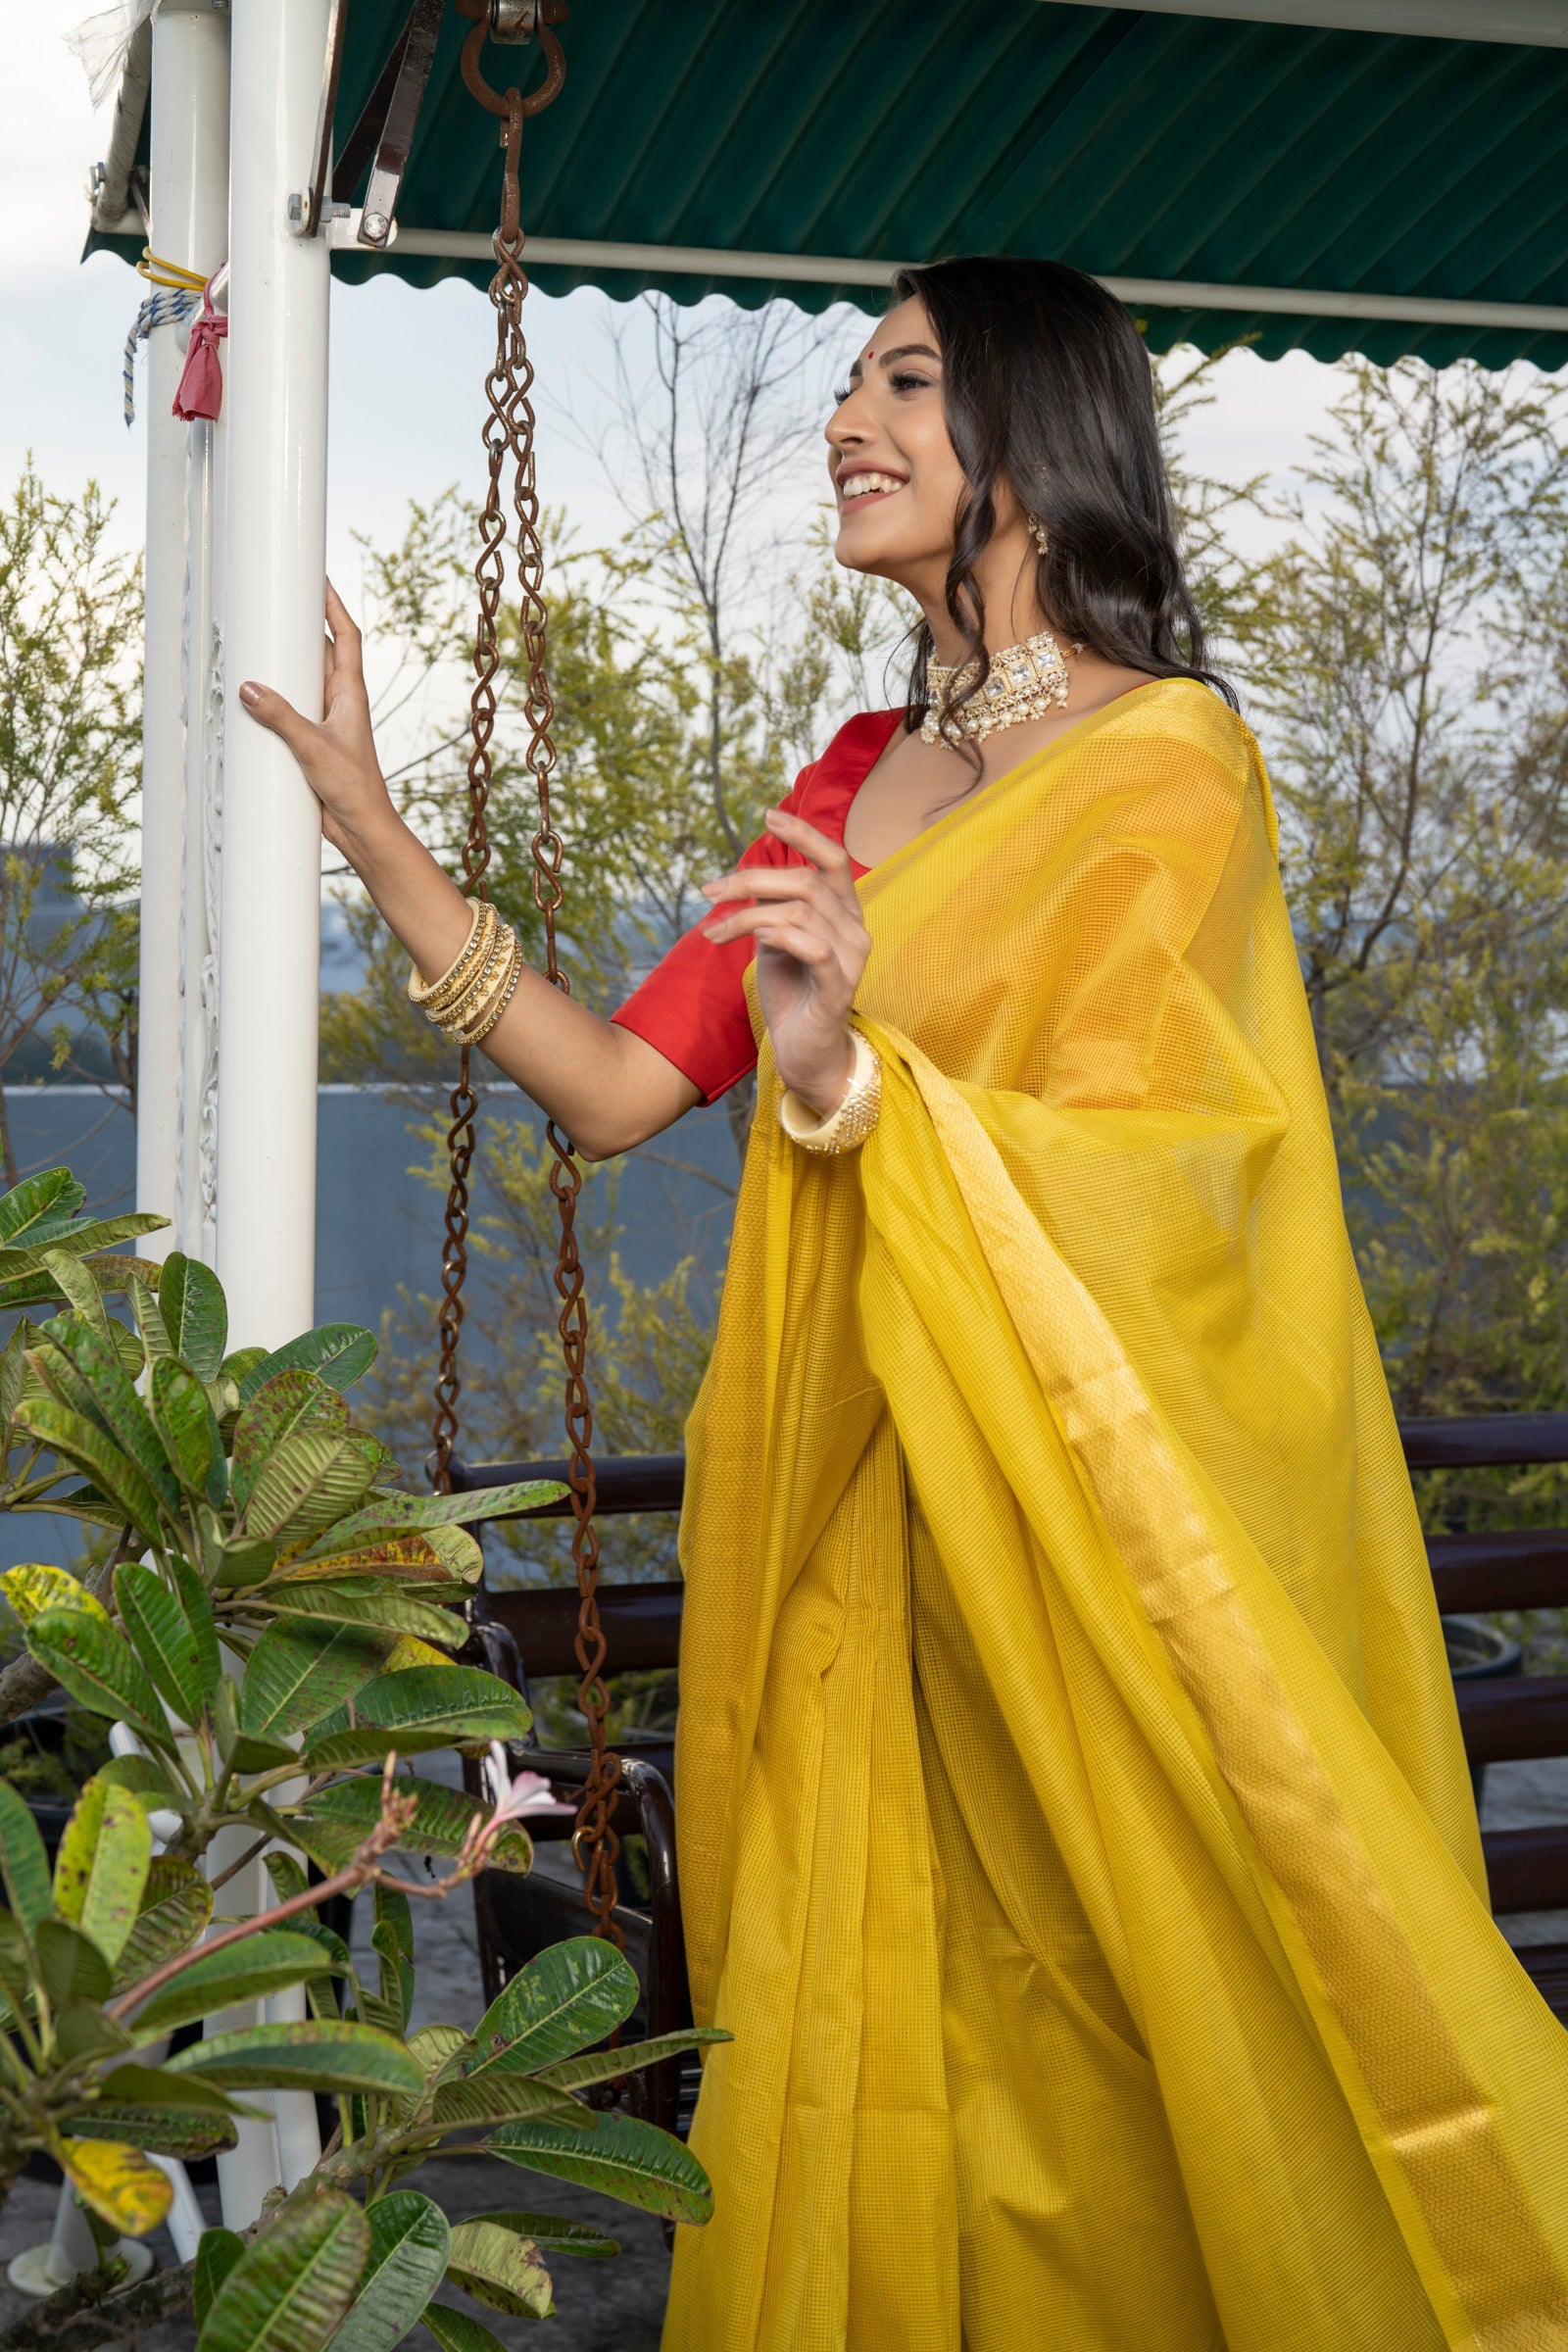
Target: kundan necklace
{"x": 1023, "y": 681}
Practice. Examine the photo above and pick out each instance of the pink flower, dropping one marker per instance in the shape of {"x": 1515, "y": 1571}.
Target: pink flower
{"x": 529, "y": 1793}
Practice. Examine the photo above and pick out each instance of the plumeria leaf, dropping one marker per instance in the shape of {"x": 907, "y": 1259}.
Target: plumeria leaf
{"x": 184, "y": 1417}
{"x": 623, "y": 2157}
{"x": 83, "y": 1444}
{"x": 366, "y": 1600}
{"x": 97, "y": 1665}
{"x": 571, "y": 1994}
{"x": 177, "y": 1905}
{"x": 310, "y": 2056}
{"x": 293, "y": 2286}
{"x": 338, "y": 1353}
{"x": 115, "y": 1401}
{"x": 395, "y": 1514}
{"x": 195, "y": 1313}
{"x": 551, "y": 2233}
{"x": 429, "y": 1707}
{"x": 24, "y": 1861}
{"x": 121, "y": 2184}
{"x": 216, "y": 2252}
{"x": 167, "y": 1643}
{"x": 101, "y": 1867}
{"x": 336, "y": 1820}
{"x": 604, "y": 2066}
{"x": 267, "y": 1962}
{"x": 298, "y": 1674}
{"x": 409, "y": 2243}
{"x": 458, "y": 2330}
{"x": 33, "y": 1588}
{"x": 291, "y": 1403}
{"x": 498, "y": 2268}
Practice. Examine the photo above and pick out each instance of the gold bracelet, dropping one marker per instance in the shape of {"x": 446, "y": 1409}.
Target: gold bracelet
{"x": 458, "y": 984}
{"x": 477, "y": 1037}
{"x": 432, "y": 994}
{"x": 847, "y": 1128}
{"x": 483, "y": 1007}
{"x": 460, "y": 1010}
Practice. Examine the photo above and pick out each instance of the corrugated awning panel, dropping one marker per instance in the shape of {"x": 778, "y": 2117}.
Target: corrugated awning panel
{"x": 1136, "y": 144}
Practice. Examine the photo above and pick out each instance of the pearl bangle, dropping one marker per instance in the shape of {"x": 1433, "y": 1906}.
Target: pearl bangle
{"x": 847, "y": 1128}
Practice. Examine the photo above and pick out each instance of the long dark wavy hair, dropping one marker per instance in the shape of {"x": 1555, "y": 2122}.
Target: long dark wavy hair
{"x": 1046, "y": 387}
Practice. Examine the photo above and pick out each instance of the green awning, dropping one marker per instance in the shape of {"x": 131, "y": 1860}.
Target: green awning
{"x": 1150, "y": 148}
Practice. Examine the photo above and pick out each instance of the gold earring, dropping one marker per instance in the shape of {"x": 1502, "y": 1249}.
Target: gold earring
{"x": 1038, "y": 532}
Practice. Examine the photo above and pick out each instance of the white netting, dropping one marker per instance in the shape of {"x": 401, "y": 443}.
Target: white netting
{"x": 101, "y": 41}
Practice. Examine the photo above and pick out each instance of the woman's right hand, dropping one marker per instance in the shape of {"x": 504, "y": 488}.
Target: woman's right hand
{"x": 337, "y": 757}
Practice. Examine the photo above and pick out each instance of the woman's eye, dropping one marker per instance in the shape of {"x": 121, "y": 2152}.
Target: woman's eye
{"x": 841, "y": 395}
{"x": 908, "y": 383}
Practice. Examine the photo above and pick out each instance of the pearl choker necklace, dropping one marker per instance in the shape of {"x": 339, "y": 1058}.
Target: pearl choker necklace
{"x": 1024, "y": 681}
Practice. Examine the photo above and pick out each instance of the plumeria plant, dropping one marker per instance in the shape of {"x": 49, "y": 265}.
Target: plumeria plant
{"x": 272, "y": 1626}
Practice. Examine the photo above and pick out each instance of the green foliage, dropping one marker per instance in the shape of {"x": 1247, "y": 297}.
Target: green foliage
{"x": 1406, "y": 652}
{"x": 261, "y": 1514}
{"x": 70, "y": 761}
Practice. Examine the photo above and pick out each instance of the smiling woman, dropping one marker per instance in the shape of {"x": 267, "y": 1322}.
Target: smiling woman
{"x": 1075, "y": 1831}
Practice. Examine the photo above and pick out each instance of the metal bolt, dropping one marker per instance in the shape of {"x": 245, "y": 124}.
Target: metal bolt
{"x": 295, "y": 212}
{"x": 513, "y": 20}
{"x": 373, "y": 228}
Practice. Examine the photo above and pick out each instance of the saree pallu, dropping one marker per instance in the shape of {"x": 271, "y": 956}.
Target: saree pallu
{"x": 1075, "y": 1832}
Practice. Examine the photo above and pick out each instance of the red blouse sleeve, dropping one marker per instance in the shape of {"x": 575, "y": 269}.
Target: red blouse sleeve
{"x": 692, "y": 1006}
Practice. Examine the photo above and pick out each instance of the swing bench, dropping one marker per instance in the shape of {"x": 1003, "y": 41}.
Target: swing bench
{"x": 533, "y": 1633}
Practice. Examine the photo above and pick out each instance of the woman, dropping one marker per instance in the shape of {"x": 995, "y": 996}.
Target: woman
{"x": 1076, "y": 1834}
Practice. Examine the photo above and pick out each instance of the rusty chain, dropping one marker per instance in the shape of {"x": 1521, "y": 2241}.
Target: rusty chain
{"x": 509, "y": 436}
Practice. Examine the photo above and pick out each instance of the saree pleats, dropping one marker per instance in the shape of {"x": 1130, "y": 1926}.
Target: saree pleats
{"x": 1075, "y": 1829}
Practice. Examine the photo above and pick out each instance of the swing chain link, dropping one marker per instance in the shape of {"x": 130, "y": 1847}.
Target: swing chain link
{"x": 509, "y": 439}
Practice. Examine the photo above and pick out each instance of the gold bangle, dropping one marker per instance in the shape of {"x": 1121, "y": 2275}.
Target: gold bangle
{"x": 421, "y": 990}
{"x": 432, "y": 995}
{"x": 483, "y": 1009}
{"x": 460, "y": 1008}
{"x": 477, "y": 1037}
{"x": 847, "y": 1128}
{"x": 450, "y": 991}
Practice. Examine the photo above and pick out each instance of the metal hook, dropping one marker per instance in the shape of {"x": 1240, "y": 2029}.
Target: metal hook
{"x": 512, "y": 22}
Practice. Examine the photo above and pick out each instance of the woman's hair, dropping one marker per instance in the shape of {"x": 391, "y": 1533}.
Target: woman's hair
{"x": 1046, "y": 387}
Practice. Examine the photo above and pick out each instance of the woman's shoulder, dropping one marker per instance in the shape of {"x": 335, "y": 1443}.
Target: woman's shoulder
{"x": 1193, "y": 718}
{"x": 1194, "y": 750}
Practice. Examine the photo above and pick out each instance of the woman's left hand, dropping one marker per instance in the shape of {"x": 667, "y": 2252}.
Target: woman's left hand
{"x": 812, "y": 947}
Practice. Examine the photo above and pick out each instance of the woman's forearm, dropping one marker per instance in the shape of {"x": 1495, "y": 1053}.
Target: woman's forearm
{"x": 604, "y": 1088}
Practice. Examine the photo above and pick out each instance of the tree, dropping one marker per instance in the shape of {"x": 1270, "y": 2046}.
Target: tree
{"x": 69, "y": 750}
{"x": 1406, "y": 655}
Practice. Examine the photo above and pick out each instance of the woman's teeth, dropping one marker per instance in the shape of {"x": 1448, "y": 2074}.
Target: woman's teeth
{"x": 868, "y": 485}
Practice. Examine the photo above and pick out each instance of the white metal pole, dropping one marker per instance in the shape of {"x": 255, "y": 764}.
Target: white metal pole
{"x": 196, "y": 1171}
{"x": 189, "y": 206}
{"x": 269, "y": 898}
{"x": 275, "y": 554}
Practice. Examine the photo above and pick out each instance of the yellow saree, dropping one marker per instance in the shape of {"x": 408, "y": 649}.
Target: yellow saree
{"x": 1075, "y": 1832}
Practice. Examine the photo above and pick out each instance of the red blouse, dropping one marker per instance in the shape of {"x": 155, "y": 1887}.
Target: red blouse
{"x": 692, "y": 1006}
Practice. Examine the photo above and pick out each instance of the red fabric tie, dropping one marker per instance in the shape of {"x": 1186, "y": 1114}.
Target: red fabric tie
{"x": 201, "y": 382}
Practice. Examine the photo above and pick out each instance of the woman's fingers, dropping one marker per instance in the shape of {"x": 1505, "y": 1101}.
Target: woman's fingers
{"x": 806, "y": 947}
{"x": 270, "y": 710}
{"x": 840, "y": 923}
{"x": 346, "y": 656}
{"x": 829, "y": 858}
{"x": 773, "y": 923}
